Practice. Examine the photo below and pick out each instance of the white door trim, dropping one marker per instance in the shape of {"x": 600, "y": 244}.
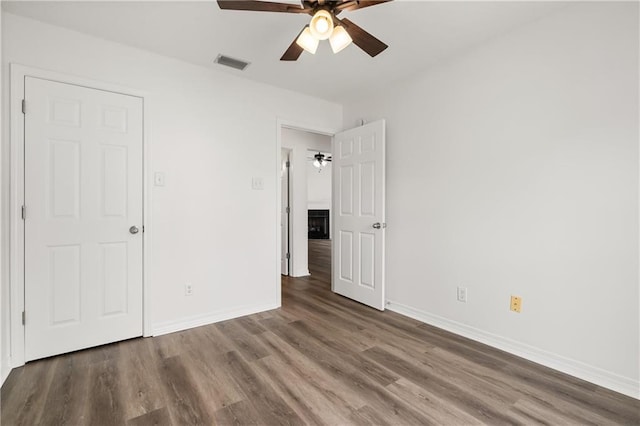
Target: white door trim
{"x": 305, "y": 127}
{"x": 16, "y": 244}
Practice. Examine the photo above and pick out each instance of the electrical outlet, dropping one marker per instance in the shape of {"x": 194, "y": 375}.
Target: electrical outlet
{"x": 516, "y": 303}
{"x": 188, "y": 289}
{"x": 462, "y": 294}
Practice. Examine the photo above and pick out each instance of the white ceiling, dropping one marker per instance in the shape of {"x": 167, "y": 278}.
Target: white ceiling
{"x": 419, "y": 35}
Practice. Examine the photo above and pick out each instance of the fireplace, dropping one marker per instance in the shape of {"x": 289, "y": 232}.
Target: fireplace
{"x": 318, "y": 224}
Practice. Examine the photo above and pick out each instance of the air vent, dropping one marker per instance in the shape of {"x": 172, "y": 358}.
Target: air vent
{"x": 231, "y": 62}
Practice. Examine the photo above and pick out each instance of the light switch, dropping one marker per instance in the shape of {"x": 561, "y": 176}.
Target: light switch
{"x": 158, "y": 179}
{"x": 257, "y": 183}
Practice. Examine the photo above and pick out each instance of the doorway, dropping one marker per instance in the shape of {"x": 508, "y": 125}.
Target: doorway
{"x": 308, "y": 191}
{"x": 357, "y": 210}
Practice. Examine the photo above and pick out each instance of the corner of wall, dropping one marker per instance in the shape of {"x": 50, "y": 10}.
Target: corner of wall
{"x": 600, "y": 377}
{"x": 5, "y": 370}
{"x": 210, "y": 318}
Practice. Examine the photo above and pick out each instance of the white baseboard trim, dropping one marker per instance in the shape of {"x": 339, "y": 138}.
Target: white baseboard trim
{"x": 598, "y": 376}
{"x": 298, "y": 274}
{"x": 210, "y": 318}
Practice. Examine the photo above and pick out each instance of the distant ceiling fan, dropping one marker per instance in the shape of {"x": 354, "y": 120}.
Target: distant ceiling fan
{"x": 324, "y": 24}
{"x": 320, "y": 160}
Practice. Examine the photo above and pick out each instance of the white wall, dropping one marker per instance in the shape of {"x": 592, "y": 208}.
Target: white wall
{"x": 514, "y": 170}
{"x": 300, "y": 142}
{"x": 211, "y": 132}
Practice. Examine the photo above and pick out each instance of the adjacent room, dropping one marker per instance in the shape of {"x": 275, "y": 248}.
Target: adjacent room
{"x": 319, "y": 212}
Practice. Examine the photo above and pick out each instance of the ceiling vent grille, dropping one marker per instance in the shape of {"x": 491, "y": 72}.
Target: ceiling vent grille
{"x": 231, "y": 62}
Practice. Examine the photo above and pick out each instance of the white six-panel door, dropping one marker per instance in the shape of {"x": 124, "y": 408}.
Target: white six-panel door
{"x": 83, "y": 193}
{"x": 359, "y": 216}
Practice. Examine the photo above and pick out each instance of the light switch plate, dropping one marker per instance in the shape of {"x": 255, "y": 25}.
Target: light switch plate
{"x": 257, "y": 183}
{"x": 158, "y": 179}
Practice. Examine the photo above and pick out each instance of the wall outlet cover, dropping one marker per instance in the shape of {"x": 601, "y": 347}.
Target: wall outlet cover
{"x": 462, "y": 294}
{"x": 516, "y": 303}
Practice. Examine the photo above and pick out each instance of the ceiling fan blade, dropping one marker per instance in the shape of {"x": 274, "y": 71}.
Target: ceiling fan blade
{"x": 358, "y": 4}
{"x": 261, "y": 6}
{"x": 363, "y": 39}
{"x": 294, "y": 51}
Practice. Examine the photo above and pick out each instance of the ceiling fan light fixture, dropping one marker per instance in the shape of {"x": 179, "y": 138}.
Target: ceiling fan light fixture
{"x": 339, "y": 39}
{"x": 316, "y": 163}
{"x": 307, "y": 41}
{"x": 321, "y": 25}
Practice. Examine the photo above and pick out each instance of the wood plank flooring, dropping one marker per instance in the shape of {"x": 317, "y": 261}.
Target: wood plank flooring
{"x": 320, "y": 359}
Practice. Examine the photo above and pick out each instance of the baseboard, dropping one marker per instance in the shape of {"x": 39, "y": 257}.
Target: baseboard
{"x": 598, "y": 376}
{"x": 298, "y": 274}
{"x": 210, "y": 318}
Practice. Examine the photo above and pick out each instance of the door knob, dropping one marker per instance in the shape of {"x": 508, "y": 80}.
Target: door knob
{"x": 379, "y": 225}
{"x": 134, "y": 229}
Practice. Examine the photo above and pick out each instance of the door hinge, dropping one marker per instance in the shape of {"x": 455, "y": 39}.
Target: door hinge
{"x": 288, "y": 210}
{"x": 23, "y": 317}
{"x": 143, "y": 229}
{"x": 23, "y": 212}
{"x": 288, "y": 164}
{"x": 288, "y": 256}
{"x": 24, "y": 106}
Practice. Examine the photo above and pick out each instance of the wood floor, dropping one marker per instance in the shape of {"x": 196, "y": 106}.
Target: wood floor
{"x": 320, "y": 359}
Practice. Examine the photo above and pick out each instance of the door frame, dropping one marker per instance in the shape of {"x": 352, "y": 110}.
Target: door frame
{"x": 287, "y": 224}
{"x": 305, "y": 127}
{"x": 18, "y": 73}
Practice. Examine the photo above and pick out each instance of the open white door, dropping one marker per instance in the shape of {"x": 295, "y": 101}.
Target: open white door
{"x": 83, "y": 223}
{"x": 359, "y": 216}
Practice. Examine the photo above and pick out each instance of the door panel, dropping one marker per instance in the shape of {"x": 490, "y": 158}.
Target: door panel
{"x": 64, "y": 180}
{"x": 83, "y": 190}
{"x": 346, "y": 191}
{"x": 64, "y": 282}
{"x": 115, "y": 284}
{"x": 113, "y": 176}
{"x": 346, "y": 256}
{"x": 358, "y": 252}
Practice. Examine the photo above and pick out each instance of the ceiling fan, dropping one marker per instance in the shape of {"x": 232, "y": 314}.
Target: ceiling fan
{"x": 320, "y": 160}
{"x": 324, "y": 24}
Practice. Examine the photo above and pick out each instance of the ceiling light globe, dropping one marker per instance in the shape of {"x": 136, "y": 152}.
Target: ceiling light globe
{"x": 307, "y": 41}
{"x": 339, "y": 39}
{"x": 321, "y": 25}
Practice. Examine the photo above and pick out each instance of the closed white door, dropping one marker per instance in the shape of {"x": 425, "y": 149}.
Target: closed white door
{"x": 359, "y": 216}
{"x": 83, "y": 222}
